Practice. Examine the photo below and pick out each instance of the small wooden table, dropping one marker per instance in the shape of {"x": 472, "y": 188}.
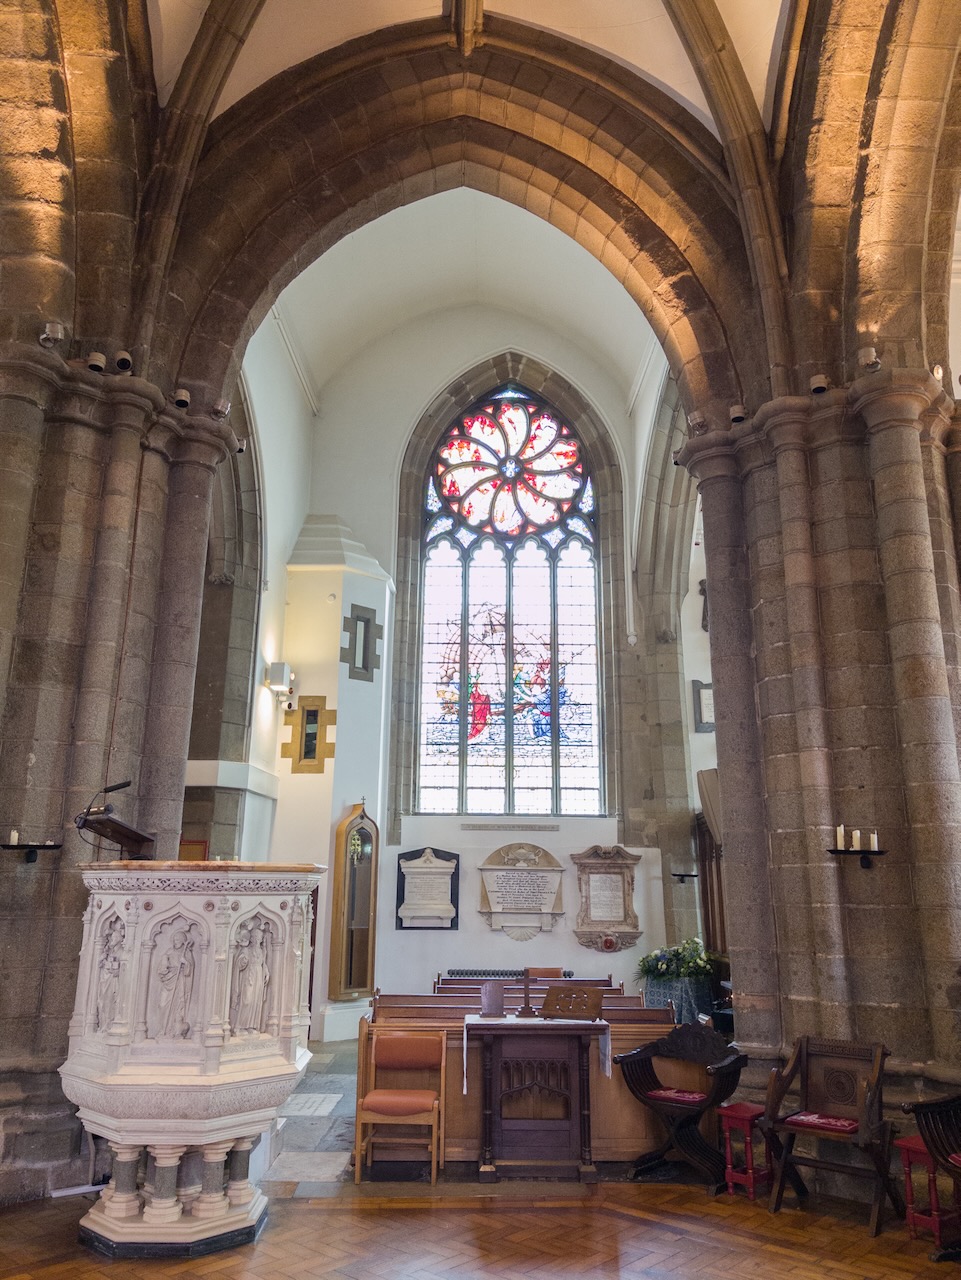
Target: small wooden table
{"x": 536, "y": 1096}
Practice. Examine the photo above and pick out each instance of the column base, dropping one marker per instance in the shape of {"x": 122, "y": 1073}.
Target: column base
{"x": 186, "y": 1238}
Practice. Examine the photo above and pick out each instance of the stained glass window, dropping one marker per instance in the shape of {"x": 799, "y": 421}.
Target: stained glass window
{"x": 509, "y": 692}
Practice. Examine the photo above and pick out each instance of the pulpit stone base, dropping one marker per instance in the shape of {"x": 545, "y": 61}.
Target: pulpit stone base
{"x": 185, "y": 1238}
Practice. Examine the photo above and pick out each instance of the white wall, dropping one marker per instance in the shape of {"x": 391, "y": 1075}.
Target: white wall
{"x": 370, "y": 407}
{"x": 410, "y": 959}
{"x": 283, "y": 423}
{"x": 367, "y": 411}
{"x": 696, "y": 649}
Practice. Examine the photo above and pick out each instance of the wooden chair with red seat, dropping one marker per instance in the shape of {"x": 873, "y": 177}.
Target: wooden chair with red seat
{"x": 939, "y": 1125}
{"x": 403, "y": 1056}
{"x": 839, "y": 1100}
{"x": 681, "y": 1110}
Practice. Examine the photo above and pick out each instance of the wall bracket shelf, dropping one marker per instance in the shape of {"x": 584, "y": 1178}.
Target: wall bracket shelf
{"x": 30, "y": 849}
{"x": 864, "y": 855}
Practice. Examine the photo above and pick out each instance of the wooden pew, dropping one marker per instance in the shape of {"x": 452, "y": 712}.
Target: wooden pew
{"x": 621, "y": 1129}
{"x": 442, "y": 983}
{"x": 445, "y": 986}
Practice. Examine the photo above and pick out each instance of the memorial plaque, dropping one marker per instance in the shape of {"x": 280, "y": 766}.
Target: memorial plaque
{"x": 521, "y": 890}
{"x": 605, "y": 896}
{"x": 427, "y": 889}
{"x": 606, "y": 920}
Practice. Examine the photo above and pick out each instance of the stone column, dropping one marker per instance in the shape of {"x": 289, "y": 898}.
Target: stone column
{"x": 212, "y": 1203}
{"x": 189, "y": 1185}
{"x": 819, "y": 977}
{"x": 21, "y": 437}
{"x": 749, "y": 911}
{"x": 891, "y": 403}
{"x": 951, "y": 443}
{"x": 177, "y": 636}
{"x": 120, "y": 1199}
{"x": 239, "y": 1187}
{"x": 164, "y": 1205}
{"x": 95, "y": 717}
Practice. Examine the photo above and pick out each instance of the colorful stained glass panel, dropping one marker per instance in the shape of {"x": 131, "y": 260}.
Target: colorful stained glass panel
{"x": 485, "y": 749}
{"x": 509, "y": 692}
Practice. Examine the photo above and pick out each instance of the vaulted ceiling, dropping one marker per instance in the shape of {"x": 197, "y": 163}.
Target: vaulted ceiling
{"x": 469, "y": 249}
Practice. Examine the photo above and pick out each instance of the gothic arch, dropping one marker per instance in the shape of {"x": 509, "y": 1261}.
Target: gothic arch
{"x": 901, "y": 138}
{"x": 326, "y": 147}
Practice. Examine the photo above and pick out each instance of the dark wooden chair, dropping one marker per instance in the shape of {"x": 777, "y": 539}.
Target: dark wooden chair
{"x": 939, "y": 1124}
{"x": 839, "y": 1100}
{"x": 681, "y": 1109}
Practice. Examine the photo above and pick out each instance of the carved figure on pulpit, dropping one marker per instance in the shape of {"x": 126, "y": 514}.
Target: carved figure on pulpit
{"x": 175, "y": 972}
{"x": 248, "y": 995}
{"x": 108, "y": 975}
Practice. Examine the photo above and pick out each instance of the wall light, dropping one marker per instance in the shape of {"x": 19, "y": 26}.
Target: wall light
{"x": 868, "y": 359}
{"x": 279, "y": 679}
{"x": 51, "y": 334}
{"x": 738, "y": 413}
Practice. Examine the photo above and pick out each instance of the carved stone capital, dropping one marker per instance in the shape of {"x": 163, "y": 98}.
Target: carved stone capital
{"x": 892, "y": 397}
{"x": 710, "y": 456}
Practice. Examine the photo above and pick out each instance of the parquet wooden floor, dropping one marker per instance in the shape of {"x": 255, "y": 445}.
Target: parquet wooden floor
{"x": 649, "y": 1232}
{"x": 326, "y": 1228}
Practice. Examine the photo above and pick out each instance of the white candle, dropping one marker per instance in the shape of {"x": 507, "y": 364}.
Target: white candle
{"x": 855, "y": 839}
{"x": 14, "y": 837}
{"x": 839, "y": 837}
{"x": 874, "y": 840}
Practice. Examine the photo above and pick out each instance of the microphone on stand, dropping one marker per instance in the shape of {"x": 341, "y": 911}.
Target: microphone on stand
{"x": 101, "y": 811}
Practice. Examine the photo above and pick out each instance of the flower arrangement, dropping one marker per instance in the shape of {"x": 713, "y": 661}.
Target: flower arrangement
{"x": 687, "y": 960}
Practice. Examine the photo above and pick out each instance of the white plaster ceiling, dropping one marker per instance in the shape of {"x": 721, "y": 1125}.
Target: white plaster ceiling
{"x": 454, "y": 250}
{"x": 637, "y": 33}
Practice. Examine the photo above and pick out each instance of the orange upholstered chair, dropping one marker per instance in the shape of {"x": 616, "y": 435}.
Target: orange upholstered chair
{"x": 414, "y": 1093}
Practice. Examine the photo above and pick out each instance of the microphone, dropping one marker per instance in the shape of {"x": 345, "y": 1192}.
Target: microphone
{"x": 101, "y": 811}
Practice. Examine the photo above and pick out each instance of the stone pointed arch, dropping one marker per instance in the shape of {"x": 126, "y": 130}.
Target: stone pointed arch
{"x": 902, "y": 132}
{"x": 326, "y": 147}
{"x": 873, "y": 148}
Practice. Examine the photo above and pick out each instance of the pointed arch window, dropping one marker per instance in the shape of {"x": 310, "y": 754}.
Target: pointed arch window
{"x": 509, "y": 688}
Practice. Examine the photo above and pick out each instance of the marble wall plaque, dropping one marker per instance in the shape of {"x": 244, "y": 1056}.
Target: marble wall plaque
{"x": 427, "y": 889}
{"x": 605, "y": 896}
{"x": 521, "y": 890}
{"x": 606, "y": 919}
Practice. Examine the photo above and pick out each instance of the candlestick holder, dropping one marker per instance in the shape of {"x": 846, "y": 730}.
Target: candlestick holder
{"x": 864, "y": 856}
{"x": 29, "y": 848}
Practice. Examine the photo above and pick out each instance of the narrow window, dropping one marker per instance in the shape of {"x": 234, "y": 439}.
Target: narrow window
{"x": 509, "y": 693}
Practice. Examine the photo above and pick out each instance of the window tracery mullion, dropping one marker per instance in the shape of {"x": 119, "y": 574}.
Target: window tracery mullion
{"x": 509, "y": 689}
{"x": 463, "y": 701}
{"x": 555, "y": 701}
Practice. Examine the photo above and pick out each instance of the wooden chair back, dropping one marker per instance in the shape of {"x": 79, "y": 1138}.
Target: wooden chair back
{"x": 841, "y": 1078}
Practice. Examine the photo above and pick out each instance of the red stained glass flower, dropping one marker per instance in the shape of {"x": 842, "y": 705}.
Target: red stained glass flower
{"x": 510, "y": 468}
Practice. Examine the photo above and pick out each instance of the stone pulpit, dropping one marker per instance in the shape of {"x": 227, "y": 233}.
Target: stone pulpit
{"x": 188, "y": 1034}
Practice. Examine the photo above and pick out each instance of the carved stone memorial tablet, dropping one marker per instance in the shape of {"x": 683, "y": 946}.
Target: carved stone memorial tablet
{"x": 606, "y": 919}
{"x": 427, "y": 889}
{"x": 521, "y": 890}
